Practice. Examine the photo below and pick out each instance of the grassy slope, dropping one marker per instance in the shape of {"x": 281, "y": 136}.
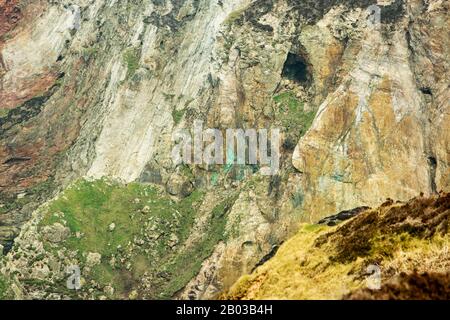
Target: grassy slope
{"x": 328, "y": 263}
{"x": 88, "y": 208}
{"x": 298, "y": 271}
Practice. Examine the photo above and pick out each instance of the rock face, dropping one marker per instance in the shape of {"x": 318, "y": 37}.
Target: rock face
{"x": 55, "y": 233}
{"x": 10, "y": 15}
{"x": 384, "y": 131}
{"x": 96, "y": 88}
{"x": 342, "y": 216}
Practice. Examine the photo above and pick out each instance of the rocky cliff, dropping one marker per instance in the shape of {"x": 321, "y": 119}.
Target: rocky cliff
{"x": 93, "y": 90}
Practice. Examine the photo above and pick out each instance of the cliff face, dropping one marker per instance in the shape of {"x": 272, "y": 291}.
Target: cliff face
{"x": 375, "y": 136}
{"x": 95, "y": 89}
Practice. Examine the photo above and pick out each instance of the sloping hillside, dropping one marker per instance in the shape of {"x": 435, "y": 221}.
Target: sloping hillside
{"x": 405, "y": 244}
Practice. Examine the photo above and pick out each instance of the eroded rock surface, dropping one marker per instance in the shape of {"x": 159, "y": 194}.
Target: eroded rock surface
{"x": 96, "y": 88}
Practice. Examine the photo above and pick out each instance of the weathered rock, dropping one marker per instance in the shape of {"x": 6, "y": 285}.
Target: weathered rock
{"x": 93, "y": 89}
{"x": 93, "y": 259}
{"x": 178, "y": 185}
{"x": 377, "y": 136}
{"x": 55, "y": 233}
{"x": 173, "y": 240}
{"x": 342, "y": 216}
{"x": 109, "y": 291}
{"x": 40, "y": 271}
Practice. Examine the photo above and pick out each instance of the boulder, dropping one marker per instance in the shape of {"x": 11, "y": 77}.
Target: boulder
{"x": 93, "y": 259}
{"x": 55, "y": 233}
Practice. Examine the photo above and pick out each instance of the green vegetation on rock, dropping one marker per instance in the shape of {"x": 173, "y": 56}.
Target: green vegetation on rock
{"x": 137, "y": 236}
{"x": 131, "y": 59}
{"x": 233, "y": 16}
{"x": 5, "y": 288}
{"x": 3, "y": 112}
{"x": 36, "y": 194}
{"x": 292, "y": 115}
{"x": 188, "y": 263}
{"x": 136, "y": 224}
{"x": 177, "y": 115}
{"x": 89, "y": 53}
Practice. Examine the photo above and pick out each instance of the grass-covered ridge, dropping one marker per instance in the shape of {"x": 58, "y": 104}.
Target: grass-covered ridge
{"x": 332, "y": 263}
{"x": 136, "y": 230}
{"x": 296, "y": 272}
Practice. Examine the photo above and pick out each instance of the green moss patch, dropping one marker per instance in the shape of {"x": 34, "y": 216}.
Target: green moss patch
{"x": 177, "y": 116}
{"x": 3, "y": 112}
{"x": 290, "y": 112}
{"x": 137, "y": 225}
{"x": 5, "y": 288}
{"x": 188, "y": 263}
{"x": 141, "y": 229}
{"x": 131, "y": 59}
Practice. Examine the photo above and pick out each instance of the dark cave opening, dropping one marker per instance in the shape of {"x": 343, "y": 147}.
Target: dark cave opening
{"x": 296, "y": 69}
{"x": 426, "y": 90}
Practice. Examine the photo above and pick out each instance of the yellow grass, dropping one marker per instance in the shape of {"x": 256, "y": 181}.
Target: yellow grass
{"x": 301, "y": 270}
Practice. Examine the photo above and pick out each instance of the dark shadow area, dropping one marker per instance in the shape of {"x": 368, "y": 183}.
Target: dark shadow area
{"x": 432, "y": 163}
{"x": 313, "y": 10}
{"x": 296, "y": 69}
{"x": 426, "y": 90}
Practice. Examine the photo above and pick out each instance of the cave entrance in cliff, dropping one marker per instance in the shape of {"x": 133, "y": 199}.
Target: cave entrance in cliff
{"x": 296, "y": 69}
